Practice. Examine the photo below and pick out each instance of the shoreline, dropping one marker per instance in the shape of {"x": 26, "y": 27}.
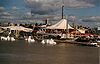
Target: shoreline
{"x": 64, "y": 44}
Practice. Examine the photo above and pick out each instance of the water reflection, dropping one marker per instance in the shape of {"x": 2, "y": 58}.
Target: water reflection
{"x": 20, "y": 52}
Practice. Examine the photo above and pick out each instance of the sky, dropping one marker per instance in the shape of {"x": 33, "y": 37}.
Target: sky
{"x": 72, "y": 7}
{"x": 79, "y": 8}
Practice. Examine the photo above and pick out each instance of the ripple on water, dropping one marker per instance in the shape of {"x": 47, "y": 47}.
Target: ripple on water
{"x": 20, "y": 52}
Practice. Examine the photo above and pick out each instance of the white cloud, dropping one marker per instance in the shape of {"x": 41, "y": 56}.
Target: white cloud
{"x": 47, "y": 6}
{"x": 5, "y": 14}
{"x": 67, "y": 3}
{"x": 2, "y": 8}
{"x": 78, "y": 4}
{"x": 28, "y": 13}
{"x": 14, "y": 8}
{"x": 92, "y": 19}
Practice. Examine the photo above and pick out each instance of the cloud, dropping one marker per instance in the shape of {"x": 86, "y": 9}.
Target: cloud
{"x": 95, "y": 2}
{"x": 92, "y": 19}
{"x": 42, "y": 7}
{"x": 50, "y": 6}
{"x": 14, "y": 8}
{"x": 5, "y": 14}
{"x": 78, "y": 4}
{"x": 72, "y": 18}
{"x": 2, "y": 9}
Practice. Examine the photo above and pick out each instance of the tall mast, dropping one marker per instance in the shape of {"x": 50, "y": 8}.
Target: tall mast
{"x": 63, "y": 11}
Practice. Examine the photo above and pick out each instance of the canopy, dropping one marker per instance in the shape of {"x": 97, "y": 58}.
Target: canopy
{"x": 19, "y": 28}
{"x": 60, "y": 25}
{"x": 82, "y": 30}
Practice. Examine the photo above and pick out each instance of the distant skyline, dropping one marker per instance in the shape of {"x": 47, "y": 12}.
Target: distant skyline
{"x": 42, "y": 7}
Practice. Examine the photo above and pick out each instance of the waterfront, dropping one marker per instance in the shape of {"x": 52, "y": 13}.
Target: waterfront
{"x": 21, "y": 52}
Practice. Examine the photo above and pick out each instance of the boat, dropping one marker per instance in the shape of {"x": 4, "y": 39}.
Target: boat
{"x": 86, "y": 42}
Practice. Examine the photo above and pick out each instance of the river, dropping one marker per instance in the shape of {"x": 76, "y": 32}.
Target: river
{"x": 21, "y": 52}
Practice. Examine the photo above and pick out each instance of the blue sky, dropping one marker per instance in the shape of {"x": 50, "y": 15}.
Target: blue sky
{"x": 95, "y": 11}
{"x": 71, "y": 10}
{"x": 10, "y": 3}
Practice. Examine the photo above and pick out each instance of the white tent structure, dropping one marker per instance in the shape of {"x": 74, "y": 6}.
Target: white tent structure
{"x": 62, "y": 24}
{"x": 19, "y": 28}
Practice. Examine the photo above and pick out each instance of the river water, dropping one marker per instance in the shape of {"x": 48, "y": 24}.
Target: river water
{"x": 21, "y": 52}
